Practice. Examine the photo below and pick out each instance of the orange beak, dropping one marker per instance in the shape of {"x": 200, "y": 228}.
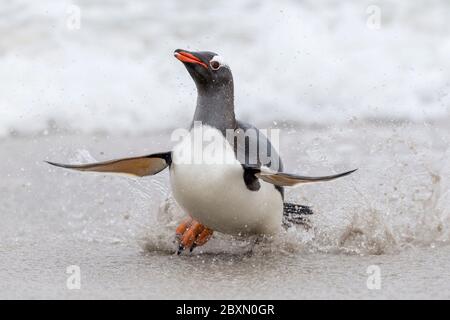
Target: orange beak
{"x": 189, "y": 58}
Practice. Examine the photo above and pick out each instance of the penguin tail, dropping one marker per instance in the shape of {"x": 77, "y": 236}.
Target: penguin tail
{"x": 296, "y": 214}
{"x": 296, "y": 209}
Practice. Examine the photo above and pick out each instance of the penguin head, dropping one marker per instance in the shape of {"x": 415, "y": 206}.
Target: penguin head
{"x": 207, "y": 69}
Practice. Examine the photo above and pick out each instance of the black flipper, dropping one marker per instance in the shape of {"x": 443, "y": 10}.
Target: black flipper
{"x": 290, "y": 180}
{"x": 137, "y": 166}
{"x": 283, "y": 179}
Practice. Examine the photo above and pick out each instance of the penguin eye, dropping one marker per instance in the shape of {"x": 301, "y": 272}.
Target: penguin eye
{"x": 214, "y": 65}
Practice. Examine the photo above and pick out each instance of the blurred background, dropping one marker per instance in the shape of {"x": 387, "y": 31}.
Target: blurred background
{"x": 360, "y": 84}
{"x": 102, "y": 66}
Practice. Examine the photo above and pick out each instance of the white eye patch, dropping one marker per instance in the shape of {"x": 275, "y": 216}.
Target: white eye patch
{"x": 220, "y": 60}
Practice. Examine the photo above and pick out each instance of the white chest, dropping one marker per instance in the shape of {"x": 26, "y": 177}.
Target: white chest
{"x": 207, "y": 181}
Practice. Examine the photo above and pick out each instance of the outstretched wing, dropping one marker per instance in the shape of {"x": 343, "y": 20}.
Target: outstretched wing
{"x": 136, "y": 166}
{"x": 290, "y": 180}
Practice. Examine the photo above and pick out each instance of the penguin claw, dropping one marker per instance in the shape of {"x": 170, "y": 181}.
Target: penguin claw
{"x": 191, "y": 234}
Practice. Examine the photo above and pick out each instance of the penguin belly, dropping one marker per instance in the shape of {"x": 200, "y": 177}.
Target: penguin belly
{"x": 212, "y": 190}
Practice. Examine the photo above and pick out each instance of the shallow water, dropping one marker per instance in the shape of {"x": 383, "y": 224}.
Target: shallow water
{"x": 31, "y": 270}
{"x": 393, "y": 213}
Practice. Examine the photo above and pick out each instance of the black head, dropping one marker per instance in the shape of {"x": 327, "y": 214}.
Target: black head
{"x": 208, "y": 69}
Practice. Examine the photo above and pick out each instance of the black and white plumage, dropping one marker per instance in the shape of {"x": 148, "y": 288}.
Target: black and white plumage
{"x": 240, "y": 193}
{"x": 243, "y": 197}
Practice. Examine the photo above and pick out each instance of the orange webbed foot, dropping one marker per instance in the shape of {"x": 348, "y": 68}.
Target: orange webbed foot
{"x": 191, "y": 233}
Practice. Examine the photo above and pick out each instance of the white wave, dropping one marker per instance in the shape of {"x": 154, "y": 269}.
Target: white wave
{"x": 301, "y": 61}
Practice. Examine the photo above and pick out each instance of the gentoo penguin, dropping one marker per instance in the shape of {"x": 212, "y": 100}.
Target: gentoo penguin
{"x": 216, "y": 176}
